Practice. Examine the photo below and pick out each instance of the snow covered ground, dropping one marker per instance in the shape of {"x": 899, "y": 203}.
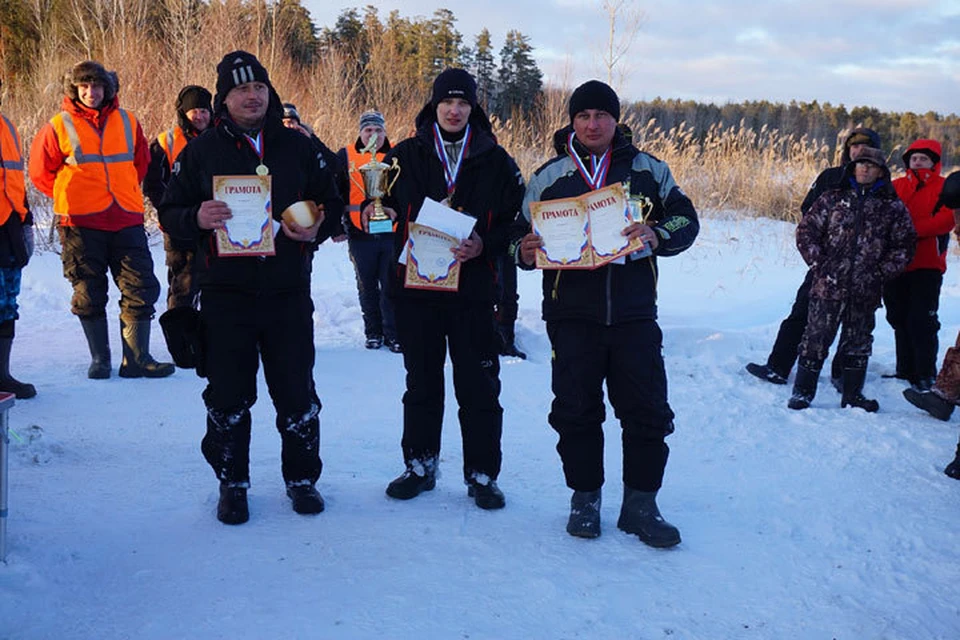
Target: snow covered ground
{"x": 819, "y": 524}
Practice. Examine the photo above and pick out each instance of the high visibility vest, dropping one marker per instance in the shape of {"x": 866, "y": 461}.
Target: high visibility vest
{"x": 355, "y": 160}
{"x": 172, "y": 141}
{"x": 11, "y": 173}
{"x": 99, "y": 168}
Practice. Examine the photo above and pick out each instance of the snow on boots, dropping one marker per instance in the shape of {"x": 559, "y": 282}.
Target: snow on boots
{"x": 640, "y": 516}
{"x": 584, "y": 519}
{"x": 805, "y": 386}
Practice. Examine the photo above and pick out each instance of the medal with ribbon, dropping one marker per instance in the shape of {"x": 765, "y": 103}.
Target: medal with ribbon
{"x": 597, "y": 174}
{"x": 450, "y": 172}
{"x": 257, "y": 145}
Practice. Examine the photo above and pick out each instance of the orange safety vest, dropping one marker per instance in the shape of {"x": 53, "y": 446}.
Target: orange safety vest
{"x": 355, "y": 160}
{"x": 11, "y": 173}
{"x": 99, "y": 168}
{"x": 172, "y": 141}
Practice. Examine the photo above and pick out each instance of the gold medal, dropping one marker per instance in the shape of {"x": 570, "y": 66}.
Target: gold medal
{"x": 262, "y": 170}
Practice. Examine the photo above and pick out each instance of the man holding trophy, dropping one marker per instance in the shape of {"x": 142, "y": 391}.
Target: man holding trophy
{"x": 452, "y": 163}
{"x": 227, "y": 194}
{"x": 371, "y": 250}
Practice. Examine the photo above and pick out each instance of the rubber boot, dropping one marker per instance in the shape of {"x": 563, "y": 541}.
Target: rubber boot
{"x": 853, "y": 391}
{"x": 836, "y": 372}
{"x": 640, "y": 516}
{"x": 95, "y": 329}
{"x": 953, "y": 469}
{"x": 805, "y": 386}
{"x": 137, "y": 361}
{"x": 931, "y": 402}
{"x": 584, "y": 521}
{"x": 8, "y": 383}
{"x": 232, "y": 507}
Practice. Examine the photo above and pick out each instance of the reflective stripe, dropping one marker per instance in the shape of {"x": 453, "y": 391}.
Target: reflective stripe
{"x": 354, "y": 207}
{"x": 169, "y": 147}
{"x": 12, "y": 164}
{"x": 87, "y": 158}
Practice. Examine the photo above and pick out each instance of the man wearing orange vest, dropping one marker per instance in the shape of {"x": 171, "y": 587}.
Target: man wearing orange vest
{"x": 91, "y": 158}
{"x": 16, "y": 247}
{"x": 371, "y": 253}
{"x": 193, "y": 117}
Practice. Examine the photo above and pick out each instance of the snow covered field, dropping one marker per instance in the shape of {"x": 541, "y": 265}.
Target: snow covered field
{"x": 819, "y": 524}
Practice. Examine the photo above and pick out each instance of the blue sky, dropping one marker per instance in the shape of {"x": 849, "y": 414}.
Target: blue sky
{"x": 895, "y": 55}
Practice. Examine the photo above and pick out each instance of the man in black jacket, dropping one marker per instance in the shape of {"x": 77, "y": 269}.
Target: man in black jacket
{"x": 254, "y": 308}
{"x": 453, "y": 158}
{"x": 602, "y": 323}
{"x": 784, "y": 353}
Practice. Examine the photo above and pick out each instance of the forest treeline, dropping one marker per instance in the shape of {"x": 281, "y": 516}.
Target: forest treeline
{"x": 365, "y": 60}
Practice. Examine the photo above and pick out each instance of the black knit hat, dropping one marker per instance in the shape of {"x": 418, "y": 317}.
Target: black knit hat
{"x": 290, "y": 112}
{"x": 193, "y": 97}
{"x": 239, "y": 67}
{"x": 594, "y": 94}
{"x": 454, "y": 83}
{"x": 91, "y": 72}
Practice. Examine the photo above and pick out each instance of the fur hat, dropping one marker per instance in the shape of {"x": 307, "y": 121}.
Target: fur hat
{"x": 594, "y": 94}
{"x": 454, "y": 83}
{"x": 873, "y": 156}
{"x": 91, "y": 72}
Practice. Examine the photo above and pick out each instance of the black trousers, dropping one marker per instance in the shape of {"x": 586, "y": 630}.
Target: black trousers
{"x": 87, "y": 256}
{"x": 508, "y": 300}
{"x": 787, "y": 344}
{"x": 629, "y": 358}
{"x": 426, "y": 329}
{"x": 238, "y": 331}
{"x": 912, "y": 300}
{"x": 372, "y": 258}
{"x": 181, "y": 280}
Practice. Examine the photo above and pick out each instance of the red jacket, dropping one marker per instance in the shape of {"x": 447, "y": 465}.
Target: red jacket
{"x": 920, "y": 191}
{"x": 47, "y": 159}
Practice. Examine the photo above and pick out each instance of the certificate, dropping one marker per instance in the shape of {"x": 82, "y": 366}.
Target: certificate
{"x": 250, "y": 231}
{"x": 430, "y": 261}
{"x": 584, "y": 232}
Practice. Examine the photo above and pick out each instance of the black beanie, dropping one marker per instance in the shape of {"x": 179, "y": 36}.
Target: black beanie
{"x": 454, "y": 83}
{"x": 594, "y": 94}
{"x": 239, "y": 68}
{"x": 193, "y": 97}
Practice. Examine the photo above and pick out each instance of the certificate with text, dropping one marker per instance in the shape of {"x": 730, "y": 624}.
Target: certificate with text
{"x": 430, "y": 261}
{"x": 250, "y": 231}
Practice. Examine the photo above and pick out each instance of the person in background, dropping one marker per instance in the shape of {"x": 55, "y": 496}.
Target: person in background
{"x": 371, "y": 253}
{"x": 854, "y": 238}
{"x": 602, "y": 323}
{"x": 91, "y": 158}
{"x": 254, "y": 308}
{"x": 454, "y": 159}
{"x": 16, "y": 248}
{"x": 193, "y": 117}
{"x": 784, "y": 353}
{"x": 912, "y": 299}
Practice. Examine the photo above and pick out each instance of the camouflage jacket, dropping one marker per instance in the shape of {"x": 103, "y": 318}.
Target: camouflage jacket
{"x": 855, "y": 239}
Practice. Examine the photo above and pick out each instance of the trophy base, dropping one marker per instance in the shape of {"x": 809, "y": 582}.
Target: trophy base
{"x": 380, "y": 226}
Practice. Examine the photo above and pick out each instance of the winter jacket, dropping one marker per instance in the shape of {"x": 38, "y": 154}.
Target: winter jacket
{"x": 297, "y": 174}
{"x": 102, "y": 190}
{"x": 855, "y": 239}
{"x": 489, "y": 188}
{"x": 163, "y": 152}
{"x": 833, "y": 177}
{"x": 13, "y": 193}
{"x": 920, "y": 189}
{"x": 614, "y": 293}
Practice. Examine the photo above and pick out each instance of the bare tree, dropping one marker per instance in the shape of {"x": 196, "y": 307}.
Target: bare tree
{"x": 625, "y": 18}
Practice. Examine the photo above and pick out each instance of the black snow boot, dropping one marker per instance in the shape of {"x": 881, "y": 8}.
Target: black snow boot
{"x": 409, "y": 484}
{"x": 931, "y": 402}
{"x": 584, "y": 519}
{"x": 640, "y": 516}
{"x": 95, "y": 329}
{"x": 508, "y": 343}
{"x": 805, "y": 386}
{"x": 137, "y": 361}
{"x": 232, "y": 507}
{"x": 853, "y": 380}
{"x": 306, "y": 499}
{"x": 487, "y": 496}
{"x": 766, "y": 373}
{"x": 8, "y": 383}
{"x": 953, "y": 469}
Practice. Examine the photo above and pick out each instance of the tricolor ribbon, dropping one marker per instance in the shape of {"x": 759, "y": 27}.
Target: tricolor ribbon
{"x": 597, "y": 175}
{"x": 450, "y": 173}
